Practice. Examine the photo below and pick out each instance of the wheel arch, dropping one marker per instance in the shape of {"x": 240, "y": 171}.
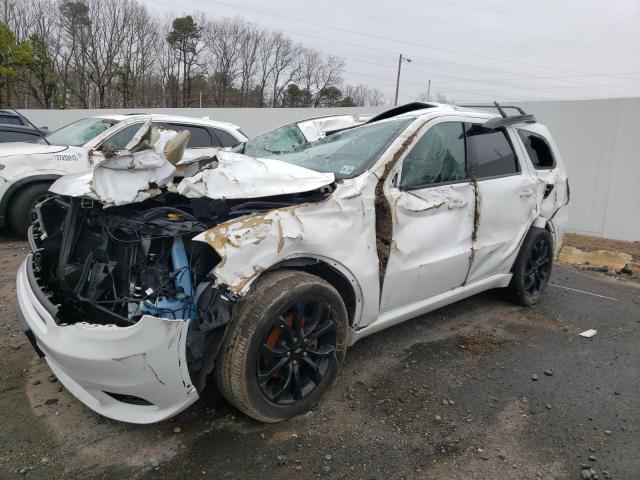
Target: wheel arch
{"x": 16, "y": 187}
{"x": 540, "y": 223}
{"x": 545, "y": 223}
{"x": 336, "y": 274}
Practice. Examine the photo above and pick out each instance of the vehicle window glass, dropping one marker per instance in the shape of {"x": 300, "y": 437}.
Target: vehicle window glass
{"x": 348, "y": 153}
{"x": 13, "y": 121}
{"x": 438, "y": 157}
{"x": 226, "y": 139}
{"x": 281, "y": 140}
{"x": 80, "y": 132}
{"x": 17, "y": 137}
{"x": 538, "y": 150}
{"x": 120, "y": 139}
{"x": 490, "y": 152}
{"x": 200, "y": 136}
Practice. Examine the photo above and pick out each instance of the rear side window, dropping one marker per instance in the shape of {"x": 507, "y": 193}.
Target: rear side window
{"x": 438, "y": 157}
{"x": 10, "y": 120}
{"x": 17, "y": 137}
{"x": 490, "y": 152}
{"x": 200, "y": 136}
{"x": 120, "y": 139}
{"x": 226, "y": 139}
{"x": 538, "y": 150}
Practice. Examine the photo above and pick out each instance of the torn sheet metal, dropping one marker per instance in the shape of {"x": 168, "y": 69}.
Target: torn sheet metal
{"x": 238, "y": 176}
{"x": 133, "y": 175}
{"x": 431, "y": 240}
{"x": 252, "y": 244}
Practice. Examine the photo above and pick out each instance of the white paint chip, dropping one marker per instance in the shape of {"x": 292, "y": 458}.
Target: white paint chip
{"x": 589, "y": 333}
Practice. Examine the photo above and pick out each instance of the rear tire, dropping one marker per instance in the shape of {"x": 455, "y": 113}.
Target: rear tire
{"x": 532, "y": 268}
{"x": 21, "y": 206}
{"x": 283, "y": 348}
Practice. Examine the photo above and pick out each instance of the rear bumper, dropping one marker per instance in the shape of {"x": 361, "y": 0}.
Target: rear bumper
{"x": 134, "y": 374}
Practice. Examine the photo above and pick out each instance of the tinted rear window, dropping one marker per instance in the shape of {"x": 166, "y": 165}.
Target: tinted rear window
{"x": 538, "y": 150}
{"x": 490, "y": 152}
{"x": 10, "y": 120}
{"x": 200, "y": 136}
{"x": 119, "y": 140}
{"x": 226, "y": 139}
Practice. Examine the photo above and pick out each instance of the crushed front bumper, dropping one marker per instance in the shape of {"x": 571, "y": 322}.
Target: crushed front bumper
{"x": 134, "y": 374}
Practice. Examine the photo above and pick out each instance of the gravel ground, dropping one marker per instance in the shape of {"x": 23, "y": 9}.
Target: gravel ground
{"x": 480, "y": 389}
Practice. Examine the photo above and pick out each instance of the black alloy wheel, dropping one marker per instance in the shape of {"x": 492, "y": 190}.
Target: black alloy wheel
{"x": 284, "y": 345}
{"x": 297, "y": 352}
{"x": 538, "y": 267}
{"x": 532, "y": 269}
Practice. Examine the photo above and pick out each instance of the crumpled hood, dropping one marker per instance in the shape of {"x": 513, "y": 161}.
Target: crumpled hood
{"x": 140, "y": 171}
{"x": 23, "y": 148}
{"x": 235, "y": 176}
{"x": 131, "y": 175}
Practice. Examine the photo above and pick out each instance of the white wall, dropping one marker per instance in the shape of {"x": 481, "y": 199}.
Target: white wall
{"x": 252, "y": 121}
{"x": 600, "y": 144}
{"x": 599, "y": 141}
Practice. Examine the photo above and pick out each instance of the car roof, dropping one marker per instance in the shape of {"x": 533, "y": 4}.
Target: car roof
{"x": 441, "y": 109}
{"x": 205, "y": 122}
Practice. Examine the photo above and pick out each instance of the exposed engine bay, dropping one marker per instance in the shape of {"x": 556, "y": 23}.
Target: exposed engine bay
{"x": 112, "y": 266}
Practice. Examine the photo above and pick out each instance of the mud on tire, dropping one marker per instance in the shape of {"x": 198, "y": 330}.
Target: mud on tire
{"x": 291, "y": 327}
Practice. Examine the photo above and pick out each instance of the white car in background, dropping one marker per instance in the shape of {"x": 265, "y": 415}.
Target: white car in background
{"x": 293, "y": 136}
{"x": 27, "y": 170}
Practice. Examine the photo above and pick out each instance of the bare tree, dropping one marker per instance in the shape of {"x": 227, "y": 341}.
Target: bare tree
{"x": 224, "y": 41}
{"x": 362, "y": 95}
{"x": 249, "y": 48}
{"x": 116, "y": 53}
{"x": 286, "y": 66}
{"x": 328, "y": 75}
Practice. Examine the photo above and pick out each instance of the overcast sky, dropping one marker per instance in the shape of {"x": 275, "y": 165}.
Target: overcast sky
{"x": 471, "y": 50}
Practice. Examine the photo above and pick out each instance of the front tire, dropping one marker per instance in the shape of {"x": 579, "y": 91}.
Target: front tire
{"x": 21, "y": 209}
{"x": 283, "y": 348}
{"x": 532, "y": 269}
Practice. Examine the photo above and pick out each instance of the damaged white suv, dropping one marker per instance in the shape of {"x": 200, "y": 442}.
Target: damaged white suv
{"x": 263, "y": 271}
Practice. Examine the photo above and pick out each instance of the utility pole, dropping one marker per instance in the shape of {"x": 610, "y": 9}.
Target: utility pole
{"x": 408, "y": 60}
{"x": 429, "y": 91}
{"x": 200, "y": 98}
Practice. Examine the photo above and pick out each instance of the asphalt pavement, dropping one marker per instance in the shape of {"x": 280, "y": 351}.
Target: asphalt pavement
{"x": 481, "y": 389}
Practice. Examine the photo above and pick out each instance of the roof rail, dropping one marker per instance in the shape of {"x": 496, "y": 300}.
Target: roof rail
{"x": 506, "y": 119}
{"x": 399, "y": 110}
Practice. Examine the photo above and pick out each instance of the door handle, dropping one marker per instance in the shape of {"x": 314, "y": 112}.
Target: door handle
{"x": 457, "y": 204}
{"x": 527, "y": 192}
